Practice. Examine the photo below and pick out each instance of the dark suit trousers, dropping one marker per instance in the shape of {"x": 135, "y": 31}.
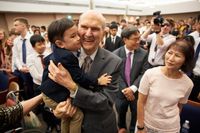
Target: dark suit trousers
{"x": 196, "y": 88}
{"x": 122, "y": 107}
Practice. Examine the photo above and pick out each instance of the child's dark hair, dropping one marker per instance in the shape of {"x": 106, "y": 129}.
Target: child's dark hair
{"x": 36, "y": 38}
{"x": 188, "y": 51}
{"x": 57, "y": 28}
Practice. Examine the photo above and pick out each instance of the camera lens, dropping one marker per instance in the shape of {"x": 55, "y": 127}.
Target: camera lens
{"x": 158, "y": 20}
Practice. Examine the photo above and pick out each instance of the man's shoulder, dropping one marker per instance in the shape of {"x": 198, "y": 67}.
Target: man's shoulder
{"x": 171, "y": 36}
{"x": 119, "y": 50}
{"x": 194, "y": 34}
{"x": 33, "y": 55}
{"x": 110, "y": 55}
{"x": 118, "y": 37}
{"x": 141, "y": 50}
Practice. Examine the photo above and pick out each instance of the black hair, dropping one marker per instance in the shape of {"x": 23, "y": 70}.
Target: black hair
{"x": 128, "y": 31}
{"x": 43, "y": 27}
{"x": 123, "y": 21}
{"x": 36, "y": 38}
{"x": 33, "y": 26}
{"x": 188, "y": 51}
{"x": 113, "y": 26}
{"x": 57, "y": 28}
{"x": 189, "y": 39}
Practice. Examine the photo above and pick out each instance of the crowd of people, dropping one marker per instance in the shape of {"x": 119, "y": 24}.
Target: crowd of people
{"x": 77, "y": 74}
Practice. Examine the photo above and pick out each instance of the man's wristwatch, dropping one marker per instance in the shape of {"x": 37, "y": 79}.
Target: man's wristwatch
{"x": 140, "y": 128}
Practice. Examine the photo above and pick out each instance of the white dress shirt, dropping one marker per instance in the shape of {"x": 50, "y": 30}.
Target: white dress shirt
{"x": 35, "y": 67}
{"x": 17, "y": 62}
{"x": 157, "y": 55}
{"x": 83, "y": 55}
{"x": 196, "y": 36}
{"x": 113, "y": 38}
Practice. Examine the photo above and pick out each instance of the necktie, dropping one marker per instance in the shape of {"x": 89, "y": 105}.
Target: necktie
{"x": 24, "y": 51}
{"x": 42, "y": 59}
{"x": 196, "y": 55}
{"x": 113, "y": 40}
{"x": 128, "y": 68}
{"x": 87, "y": 64}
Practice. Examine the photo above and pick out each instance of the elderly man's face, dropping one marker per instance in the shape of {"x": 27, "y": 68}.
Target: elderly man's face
{"x": 91, "y": 32}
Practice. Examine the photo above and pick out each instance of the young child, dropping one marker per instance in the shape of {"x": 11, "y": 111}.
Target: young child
{"x": 63, "y": 35}
{"x": 36, "y": 67}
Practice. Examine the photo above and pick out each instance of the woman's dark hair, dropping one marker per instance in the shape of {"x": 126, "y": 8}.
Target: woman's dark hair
{"x": 188, "y": 51}
{"x": 57, "y": 28}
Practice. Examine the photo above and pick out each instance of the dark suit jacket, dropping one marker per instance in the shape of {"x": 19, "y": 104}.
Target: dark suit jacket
{"x": 99, "y": 116}
{"x": 57, "y": 92}
{"x": 139, "y": 66}
{"x": 110, "y": 46}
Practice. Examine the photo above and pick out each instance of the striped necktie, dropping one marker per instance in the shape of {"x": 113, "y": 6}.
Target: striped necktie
{"x": 42, "y": 60}
{"x": 87, "y": 64}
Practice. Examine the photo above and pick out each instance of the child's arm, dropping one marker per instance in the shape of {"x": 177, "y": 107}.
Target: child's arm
{"x": 104, "y": 79}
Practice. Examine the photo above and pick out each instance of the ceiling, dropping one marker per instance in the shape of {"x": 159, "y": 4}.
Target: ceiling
{"x": 114, "y": 7}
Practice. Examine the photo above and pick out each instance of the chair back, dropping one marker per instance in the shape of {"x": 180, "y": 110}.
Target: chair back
{"x": 191, "y": 112}
{"x": 14, "y": 86}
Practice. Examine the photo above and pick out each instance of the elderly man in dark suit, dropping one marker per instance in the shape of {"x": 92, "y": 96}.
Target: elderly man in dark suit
{"x": 134, "y": 65}
{"x": 113, "y": 42}
{"x": 99, "y": 116}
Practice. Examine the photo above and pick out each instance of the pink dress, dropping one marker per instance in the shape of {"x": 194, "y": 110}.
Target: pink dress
{"x": 161, "y": 110}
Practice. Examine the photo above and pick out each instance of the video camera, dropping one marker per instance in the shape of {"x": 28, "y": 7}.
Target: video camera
{"x": 159, "y": 19}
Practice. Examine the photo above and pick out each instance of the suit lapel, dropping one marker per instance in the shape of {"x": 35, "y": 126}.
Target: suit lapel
{"x": 110, "y": 39}
{"x": 134, "y": 64}
{"x": 116, "y": 40}
{"x": 122, "y": 54}
{"x": 97, "y": 64}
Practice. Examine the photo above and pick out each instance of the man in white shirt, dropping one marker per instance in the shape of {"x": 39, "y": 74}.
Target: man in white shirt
{"x": 123, "y": 24}
{"x": 160, "y": 41}
{"x": 196, "y": 71}
{"x": 21, "y": 49}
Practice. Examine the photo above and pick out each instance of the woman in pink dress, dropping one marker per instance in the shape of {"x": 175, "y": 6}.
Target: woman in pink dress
{"x": 164, "y": 89}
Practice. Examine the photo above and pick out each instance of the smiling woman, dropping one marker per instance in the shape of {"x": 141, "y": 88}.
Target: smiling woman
{"x": 170, "y": 80}
{"x": 180, "y": 54}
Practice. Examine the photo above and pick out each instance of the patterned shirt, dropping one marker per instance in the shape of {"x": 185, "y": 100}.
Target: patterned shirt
{"x": 10, "y": 116}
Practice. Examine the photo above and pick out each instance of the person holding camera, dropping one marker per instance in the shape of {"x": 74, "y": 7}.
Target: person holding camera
{"x": 159, "y": 37}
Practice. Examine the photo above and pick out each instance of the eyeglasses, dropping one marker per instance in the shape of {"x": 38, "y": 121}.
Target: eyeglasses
{"x": 134, "y": 39}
